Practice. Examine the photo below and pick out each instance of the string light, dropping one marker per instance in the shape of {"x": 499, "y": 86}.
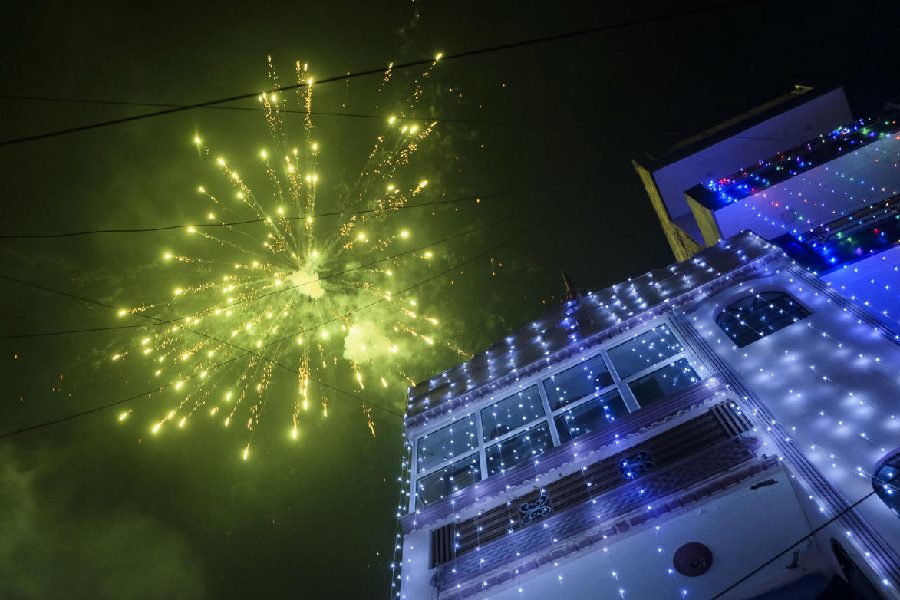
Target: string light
{"x": 554, "y": 364}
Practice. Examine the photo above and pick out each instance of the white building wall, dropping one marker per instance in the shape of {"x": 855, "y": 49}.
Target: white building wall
{"x": 831, "y": 384}
{"x": 415, "y": 572}
{"x": 739, "y": 527}
{"x": 831, "y": 381}
{"x": 778, "y": 133}
{"x": 873, "y": 283}
{"x": 836, "y": 188}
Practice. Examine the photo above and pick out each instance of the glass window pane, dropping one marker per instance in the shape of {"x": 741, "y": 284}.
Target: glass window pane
{"x": 663, "y": 382}
{"x": 590, "y": 416}
{"x": 755, "y": 317}
{"x": 511, "y": 413}
{"x": 576, "y": 383}
{"x": 443, "y": 482}
{"x": 644, "y": 351}
{"x": 440, "y": 446}
{"x": 518, "y": 448}
{"x": 886, "y": 483}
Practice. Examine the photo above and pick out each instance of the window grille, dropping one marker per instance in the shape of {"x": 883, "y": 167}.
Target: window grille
{"x": 442, "y": 545}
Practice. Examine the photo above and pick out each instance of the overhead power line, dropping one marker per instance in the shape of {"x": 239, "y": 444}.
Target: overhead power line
{"x": 792, "y": 546}
{"x": 248, "y": 352}
{"x": 294, "y": 111}
{"x": 468, "y": 198}
{"x": 438, "y": 119}
{"x": 157, "y": 321}
{"x": 396, "y": 67}
{"x": 99, "y": 408}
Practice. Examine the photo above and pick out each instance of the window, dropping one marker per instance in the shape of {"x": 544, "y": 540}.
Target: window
{"x": 755, "y": 317}
{"x": 886, "y": 481}
{"x": 442, "y": 445}
{"x": 585, "y": 397}
{"x": 644, "y": 351}
{"x": 518, "y": 448}
{"x": 444, "y": 482}
{"x": 663, "y": 382}
{"x": 511, "y": 413}
{"x": 589, "y": 416}
{"x": 573, "y": 384}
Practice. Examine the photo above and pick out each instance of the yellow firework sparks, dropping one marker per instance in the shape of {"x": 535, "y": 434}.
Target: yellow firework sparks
{"x": 292, "y": 292}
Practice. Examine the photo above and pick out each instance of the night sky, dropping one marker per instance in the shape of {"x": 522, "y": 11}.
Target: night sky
{"x": 97, "y": 509}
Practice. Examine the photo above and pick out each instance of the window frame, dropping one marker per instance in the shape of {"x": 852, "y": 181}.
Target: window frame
{"x": 554, "y": 440}
{"x": 445, "y": 462}
{"x": 604, "y": 356}
{"x": 586, "y": 400}
{"x": 549, "y": 417}
{"x": 430, "y": 472}
{"x": 543, "y": 403}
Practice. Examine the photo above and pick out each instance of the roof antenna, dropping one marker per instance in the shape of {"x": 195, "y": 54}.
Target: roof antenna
{"x": 572, "y": 291}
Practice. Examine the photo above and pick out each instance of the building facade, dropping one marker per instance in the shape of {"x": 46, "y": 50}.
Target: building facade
{"x": 825, "y": 190}
{"x": 725, "y": 427}
{"x": 832, "y": 203}
{"x": 743, "y": 140}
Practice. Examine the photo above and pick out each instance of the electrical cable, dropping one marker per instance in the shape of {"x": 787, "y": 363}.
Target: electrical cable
{"x": 380, "y": 70}
{"x": 320, "y": 113}
{"x": 101, "y": 407}
{"x": 792, "y": 546}
{"x": 473, "y": 197}
{"x": 529, "y": 124}
{"x": 159, "y": 321}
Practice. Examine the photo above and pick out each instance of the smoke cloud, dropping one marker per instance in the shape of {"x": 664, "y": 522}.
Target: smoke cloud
{"x": 46, "y": 547}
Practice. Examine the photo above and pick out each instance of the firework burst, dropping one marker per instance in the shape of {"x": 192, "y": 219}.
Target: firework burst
{"x": 300, "y": 281}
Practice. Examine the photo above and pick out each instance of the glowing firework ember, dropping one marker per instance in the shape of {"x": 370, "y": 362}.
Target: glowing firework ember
{"x": 303, "y": 279}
